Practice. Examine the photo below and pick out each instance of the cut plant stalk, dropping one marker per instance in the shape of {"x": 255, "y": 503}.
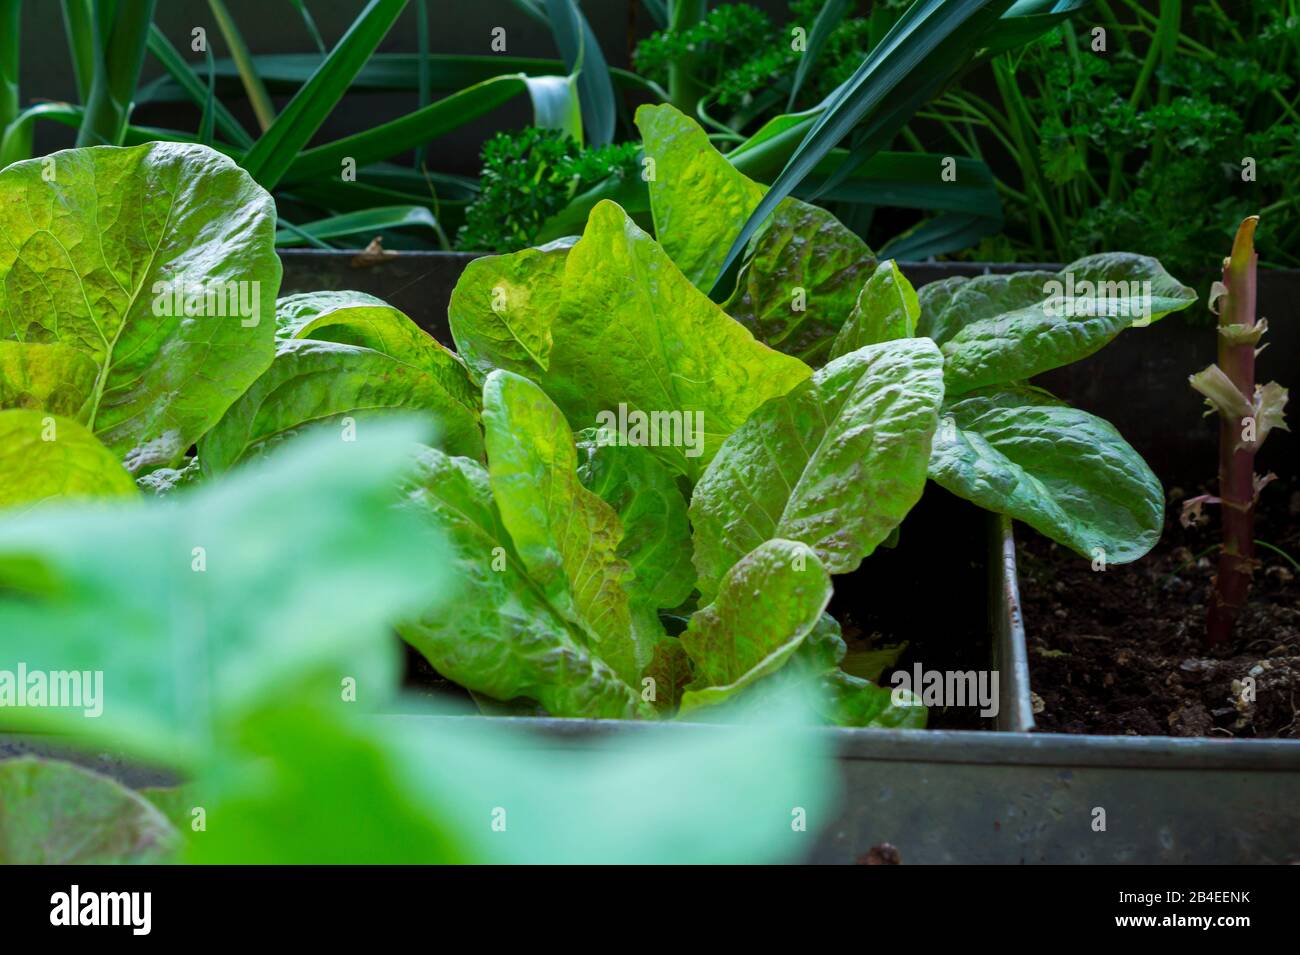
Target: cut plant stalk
{"x": 1247, "y": 412}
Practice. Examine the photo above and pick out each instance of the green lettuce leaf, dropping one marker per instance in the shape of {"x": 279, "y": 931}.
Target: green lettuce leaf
{"x": 801, "y": 249}
{"x": 355, "y": 318}
{"x": 885, "y": 309}
{"x": 480, "y": 791}
{"x": 815, "y": 672}
{"x": 699, "y": 200}
{"x": 100, "y": 247}
{"x": 281, "y": 579}
{"x": 55, "y": 813}
{"x": 766, "y": 605}
{"x": 1064, "y": 472}
{"x": 656, "y": 539}
{"x": 632, "y": 331}
{"x": 835, "y": 464}
{"x": 503, "y": 307}
{"x": 847, "y": 700}
{"x": 49, "y": 457}
{"x": 566, "y": 536}
{"x": 1004, "y": 328}
{"x": 316, "y": 381}
{"x": 54, "y": 378}
{"x": 502, "y": 637}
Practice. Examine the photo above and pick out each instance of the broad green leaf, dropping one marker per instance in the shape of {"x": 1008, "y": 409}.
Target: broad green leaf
{"x": 349, "y": 385}
{"x": 415, "y": 793}
{"x": 503, "y": 307}
{"x": 501, "y": 636}
{"x": 836, "y": 464}
{"x": 158, "y": 263}
{"x": 54, "y": 378}
{"x": 1001, "y": 328}
{"x": 847, "y": 700}
{"x": 801, "y": 281}
{"x": 47, "y": 457}
{"x": 56, "y": 813}
{"x": 885, "y": 309}
{"x": 1064, "y": 472}
{"x": 656, "y": 540}
{"x": 814, "y": 671}
{"x": 355, "y": 318}
{"x": 766, "y": 605}
{"x": 630, "y": 331}
{"x": 281, "y": 579}
{"x": 566, "y": 536}
{"x": 656, "y": 532}
{"x": 699, "y": 200}
{"x": 804, "y": 269}
{"x": 933, "y": 299}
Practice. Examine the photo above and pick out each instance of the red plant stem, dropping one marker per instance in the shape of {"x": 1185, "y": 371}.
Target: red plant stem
{"x": 1236, "y": 463}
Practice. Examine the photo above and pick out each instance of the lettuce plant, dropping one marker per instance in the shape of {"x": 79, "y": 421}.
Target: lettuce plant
{"x": 645, "y": 494}
{"x": 830, "y": 390}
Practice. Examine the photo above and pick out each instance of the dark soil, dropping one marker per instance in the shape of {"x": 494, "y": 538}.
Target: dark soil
{"x": 1122, "y": 651}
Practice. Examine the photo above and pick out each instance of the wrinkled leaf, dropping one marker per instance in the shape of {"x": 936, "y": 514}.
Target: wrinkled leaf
{"x": 699, "y": 200}
{"x": 355, "y": 318}
{"x": 348, "y": 385}
{"x": 54, "y": 378}
{"x": 766, "y": 605}
{"x": 1003, "y": 328}
{"x": 656, "y": 532}
{"x": 501, "y": 636}
{"x": 47, "y": 457}
{"x": 885, "y": 309}
{"x": 631, "y": 330}
{"x": 847, "y": 700}
{"x": 836, "y": 464}
{"x": 801, "y": 281}
{"x": 566, "y": 536}
{"x": 94, "y": 258}
{"x": 1065, "y": 473}
{"x": 503, "y": 307}
{"x": 56, "y": 813}
{"x": 670, "y": 669}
